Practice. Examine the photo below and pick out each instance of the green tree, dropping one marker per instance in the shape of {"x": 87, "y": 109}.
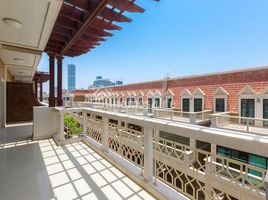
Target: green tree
{"x": 71, "y": 126}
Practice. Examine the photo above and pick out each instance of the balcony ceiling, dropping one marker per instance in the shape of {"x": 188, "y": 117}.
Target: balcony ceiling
{"x": 21, "y": 48}
{"x": 83, "y": 24}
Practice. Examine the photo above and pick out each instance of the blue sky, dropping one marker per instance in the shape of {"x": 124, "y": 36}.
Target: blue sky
{"x": 178, "y": 37}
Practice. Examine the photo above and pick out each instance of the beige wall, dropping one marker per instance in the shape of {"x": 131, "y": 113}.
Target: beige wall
{"x": 2, "y": 69}
{"x": 9, "y": 77}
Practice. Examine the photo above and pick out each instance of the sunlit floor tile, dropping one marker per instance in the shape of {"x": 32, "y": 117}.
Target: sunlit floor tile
{"x": 74, "y": 174}
{"x": 54, "y": 168}
{"x": 65, "y": 192}
{"x": 59, "y": 179}
{"x": 82, "y": 187}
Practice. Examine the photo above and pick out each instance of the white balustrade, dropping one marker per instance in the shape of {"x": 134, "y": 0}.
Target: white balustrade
{"x": 197, "y": 173}
{"x": 227, "y": 121}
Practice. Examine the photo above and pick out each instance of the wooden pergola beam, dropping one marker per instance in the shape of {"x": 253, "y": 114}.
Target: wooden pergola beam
{"x": 86, "y": 24}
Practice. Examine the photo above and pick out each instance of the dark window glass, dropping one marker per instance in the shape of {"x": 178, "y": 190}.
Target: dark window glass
{"x": 140, "y": 101}
{"x": 257, "y": 161}
{"x": 186, "y": 105}
{"x": 224, "y": 151}
{"x": 157, "y": 102}
{"x": 247, "y": 108}
{"x": 198, "y": 102}
{"x": 239, "y": 155}
{"x": 220, "y": 105}
{"x": 169, "y": 103}
{"x": 128, "y": 101}
{"x": 265, "y": 111}
{"x": 150, "y": 102}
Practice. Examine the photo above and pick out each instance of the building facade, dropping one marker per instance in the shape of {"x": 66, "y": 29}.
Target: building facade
{"x": 71, "y": 73}
{"x": 244, "y": 92}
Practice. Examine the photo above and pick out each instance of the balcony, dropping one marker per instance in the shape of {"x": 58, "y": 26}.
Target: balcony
{"x": 171, "y": 168}
{"x": 245, "y": 124}
{"x": 42, "y": 170}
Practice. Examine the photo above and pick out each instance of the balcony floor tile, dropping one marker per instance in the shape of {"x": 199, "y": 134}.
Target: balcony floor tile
{"x": 41, "y": 170}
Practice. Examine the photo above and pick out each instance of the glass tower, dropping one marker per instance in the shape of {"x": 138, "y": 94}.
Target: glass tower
{"x": 71, "y": 77}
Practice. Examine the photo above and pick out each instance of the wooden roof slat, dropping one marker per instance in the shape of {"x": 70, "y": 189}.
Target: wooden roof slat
{"x": 85, "y": 5}
{"x": 59, "y": 37}
{"x": 55, "y": 41}
{"x": 88, "y": 38}
{"x": 112, "y": 15}
{"x": 96, "y": 10}
{"x": 53, "y": 50}
{"x": 62, "y": 30}
{"x": 72, "y": 13}
{"x": 98, "y": 32}
{"x": 82, "y": 43}
{"x": 54, "y": 45}
{"x": 126, "y": 5}
{"x": 66, "y": 23}
{"x": 102, "y": 24}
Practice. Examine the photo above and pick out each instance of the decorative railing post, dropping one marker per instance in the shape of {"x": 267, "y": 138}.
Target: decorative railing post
{"x": 208, "y": 180}
{"x": 214, "y": 118}
{"x": 266, "y": 184}
{"x": 105, "y": 134}
{"x": 84, "y": 123}
{"x": 247, "y": 124}
{"x": 61, "y": 125}
{"x": 192, "y": 117}
{"x": 148, "y": 154}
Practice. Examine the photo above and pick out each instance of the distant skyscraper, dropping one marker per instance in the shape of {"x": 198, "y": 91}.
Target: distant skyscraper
{"x": 101, "y": 82}
{"x": 71, "y": 77}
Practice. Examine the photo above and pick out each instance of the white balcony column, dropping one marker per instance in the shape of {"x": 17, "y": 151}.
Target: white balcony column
{"x": 214, "y": 120}
{"x": 148, "y": 154}
{"x": 208, "y": 181}
{"x": 266, "y": 184}
{"x": 61, "y": 125}
{"x": 105, "y": 134}
{"x": 192, "y": 116}
{"x": 156, "y": 133}
{"x": 84, "y": 123}
{"x": 192, "y": 143}
{"x": 213, "y": 149}
{"x": 191, "y": 156}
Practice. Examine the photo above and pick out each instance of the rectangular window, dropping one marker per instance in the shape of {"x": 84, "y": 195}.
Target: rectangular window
{"x": 265, "y": 111}
{"x": 224, "y": 151}
{"x": 150, "y": 103}
{"x": 248, "y": 109}
{"x": 140, "y": 101}
{"x": 186, "y": 105}
{"x": 169, "y": 103}
{"x": 157, "y": 102}
{"x": 244, "y": 157}
{"x": 220, "y": 105}
{"x": 132, "y": 101}
{"x": 128, "y": 101}
{"x": 198, "y": 104}
{"x": 239, "y": 155}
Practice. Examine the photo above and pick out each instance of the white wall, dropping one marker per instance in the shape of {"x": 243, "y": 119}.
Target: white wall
{"x": 2, "y": 103}
{"x": 45, "y": 122}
